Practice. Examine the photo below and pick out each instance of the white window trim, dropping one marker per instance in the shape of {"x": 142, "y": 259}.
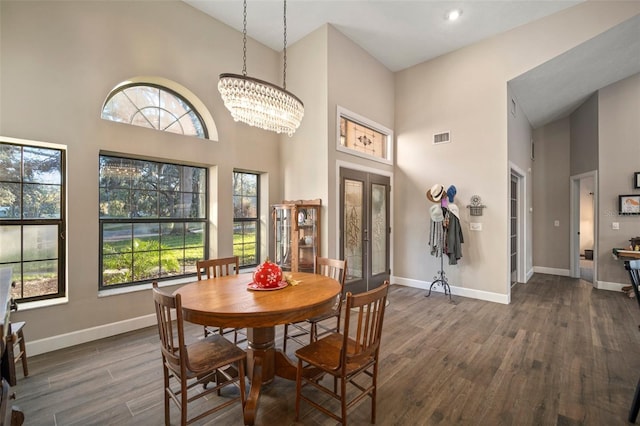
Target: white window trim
{"x": 352, "y": 116}
{"x": 62, "y": 299}
{"x": 199, "y": 106}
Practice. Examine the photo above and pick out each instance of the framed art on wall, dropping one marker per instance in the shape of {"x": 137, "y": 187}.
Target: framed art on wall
{"x": 636, "y": 180}
{"x": 629, "y": 204}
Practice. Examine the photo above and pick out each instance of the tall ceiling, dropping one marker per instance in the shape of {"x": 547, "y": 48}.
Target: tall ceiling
{"x": 401, "y": 34}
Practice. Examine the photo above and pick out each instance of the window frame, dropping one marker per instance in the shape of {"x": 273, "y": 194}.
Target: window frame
{"x": 129, "y": 84}
{"x": 150, "y": 220}
{"x": 370, "y": 124}
{"x": 244, "y": 220}
{"x": 60, "y": 222}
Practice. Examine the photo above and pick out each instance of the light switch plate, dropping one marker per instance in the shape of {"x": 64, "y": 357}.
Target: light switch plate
{"x": 475, "y": 226}
{"x": 615, "y": 225}
{"x": 556, "y": 223}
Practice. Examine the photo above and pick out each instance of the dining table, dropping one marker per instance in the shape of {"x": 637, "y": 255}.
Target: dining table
{"x": 236, "y": 301}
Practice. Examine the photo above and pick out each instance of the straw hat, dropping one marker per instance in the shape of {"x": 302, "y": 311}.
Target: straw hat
{"x": 435, "y": 193}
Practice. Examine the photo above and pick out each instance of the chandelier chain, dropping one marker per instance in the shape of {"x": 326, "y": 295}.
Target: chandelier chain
{"x": 244, "y": 40}
{"x": 284, "y": 68}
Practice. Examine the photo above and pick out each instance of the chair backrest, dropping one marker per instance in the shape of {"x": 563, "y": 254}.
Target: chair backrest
{"x": 362, "y": 334}
{"x": 218, "y": 267}
{"x": 170, "y": 328}
{"x": 332, "y": 268}
{"x": 633, "y": 266}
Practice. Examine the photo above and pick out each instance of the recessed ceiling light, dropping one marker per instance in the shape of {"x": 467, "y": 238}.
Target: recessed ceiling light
{"x": 454, "y": 14}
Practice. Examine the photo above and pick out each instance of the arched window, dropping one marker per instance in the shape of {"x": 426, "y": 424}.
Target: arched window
{"x": 157, "y": 106}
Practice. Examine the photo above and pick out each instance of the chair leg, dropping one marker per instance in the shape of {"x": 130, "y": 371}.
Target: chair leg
{"x": 23, "y": 354}
{"x": 298, "y": 388}
{"x": 12, "y": 361}
{"x": 167, "y": 412}
{"x": 343, "y": 399}
{"x": 284, "y": 339}
{"x": 635, "y": 406}
{"x": 313, "y": 332}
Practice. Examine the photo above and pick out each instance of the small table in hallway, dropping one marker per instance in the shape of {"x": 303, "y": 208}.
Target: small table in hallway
{"x": 227, "y": 302}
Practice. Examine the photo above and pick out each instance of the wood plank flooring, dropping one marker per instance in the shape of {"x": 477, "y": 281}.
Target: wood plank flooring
{"x": 561, "y": 353}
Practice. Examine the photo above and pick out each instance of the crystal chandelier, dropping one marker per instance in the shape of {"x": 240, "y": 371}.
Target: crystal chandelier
{"x": 259, "y": 103}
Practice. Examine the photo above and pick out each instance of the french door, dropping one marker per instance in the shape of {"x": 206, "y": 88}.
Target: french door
{"x": 365, "y": 228}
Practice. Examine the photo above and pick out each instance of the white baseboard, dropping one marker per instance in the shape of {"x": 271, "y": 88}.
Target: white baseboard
{"x": 551, "y": 271}
{"x": 66, "y": 340}
{"x": 456, "y": 291}
{"x": 530, "y": 273}
{"x": 604, "y": 285}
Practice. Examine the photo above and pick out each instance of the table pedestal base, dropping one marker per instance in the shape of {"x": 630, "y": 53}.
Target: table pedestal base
{"x": 264, "y": 362}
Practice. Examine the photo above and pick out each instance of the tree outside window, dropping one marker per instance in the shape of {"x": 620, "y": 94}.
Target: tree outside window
{"x": 246, "y": 223}
{"x": 32, "y": 220}
{"x": 153, "y": 220}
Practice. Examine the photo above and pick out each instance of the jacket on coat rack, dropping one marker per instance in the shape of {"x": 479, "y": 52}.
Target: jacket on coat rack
{"x": 453, "y": 238}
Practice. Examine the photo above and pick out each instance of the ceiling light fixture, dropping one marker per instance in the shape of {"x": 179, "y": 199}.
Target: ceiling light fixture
{"x": 259, "y": 103}
{"x": 454, "y": 14}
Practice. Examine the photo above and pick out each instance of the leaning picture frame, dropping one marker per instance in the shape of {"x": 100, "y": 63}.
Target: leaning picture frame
{"x": 636, "y": 180}
{"x": 629, "y": 204}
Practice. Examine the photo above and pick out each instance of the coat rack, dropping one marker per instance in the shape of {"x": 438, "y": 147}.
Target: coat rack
{"x": 442, "y": 213}
{"x": 440, "y": 278}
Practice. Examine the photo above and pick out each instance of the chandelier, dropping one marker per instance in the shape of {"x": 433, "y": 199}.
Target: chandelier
{"x": 259, "y": 103}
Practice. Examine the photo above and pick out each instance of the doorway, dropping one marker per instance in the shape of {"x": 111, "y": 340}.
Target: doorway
{"x": 513, "y": 233}
{"x": 583, "y": 244}
{"x": 365, "y": 228}
{"x": 519, "y": 250}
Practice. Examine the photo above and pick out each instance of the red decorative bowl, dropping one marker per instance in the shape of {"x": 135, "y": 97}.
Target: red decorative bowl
{"x": 267, "y": 275}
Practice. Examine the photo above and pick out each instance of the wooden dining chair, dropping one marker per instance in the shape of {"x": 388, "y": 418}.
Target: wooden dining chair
{"x": 348, "y": 357}
{"x": 220, "y": 267}
{"x": 16, "y": 346}
{"x": 16, "y": 351}
{"x": 213, "y": 359}
{"x": 332, "y": 268}
{"x": 633, "y": 266}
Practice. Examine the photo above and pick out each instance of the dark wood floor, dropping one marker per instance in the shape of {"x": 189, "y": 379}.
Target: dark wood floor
{"x": 560, "y": 354}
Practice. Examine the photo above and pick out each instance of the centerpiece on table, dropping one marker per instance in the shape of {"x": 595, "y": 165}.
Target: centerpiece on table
{"x": 267, "y": 276}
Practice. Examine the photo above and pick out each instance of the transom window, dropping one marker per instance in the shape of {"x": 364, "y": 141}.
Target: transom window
{"x": 155, "y": 107}
{"x": 153, "y": 220}
{"x": 362, "y": 137}
{"x": 246, "y": 223}
{"x": 32, "y": 220}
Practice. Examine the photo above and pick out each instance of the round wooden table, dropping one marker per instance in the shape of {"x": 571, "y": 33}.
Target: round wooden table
{"x": 227, "y": 302}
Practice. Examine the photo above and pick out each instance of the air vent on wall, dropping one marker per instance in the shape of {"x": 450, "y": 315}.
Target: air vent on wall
{"x": 444, "y": 137}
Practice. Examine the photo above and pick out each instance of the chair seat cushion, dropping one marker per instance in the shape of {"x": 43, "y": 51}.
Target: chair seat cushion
{"x": 212, "y": 352}
{"x": 325, "y": 353}
{"x": 17, "y": 326}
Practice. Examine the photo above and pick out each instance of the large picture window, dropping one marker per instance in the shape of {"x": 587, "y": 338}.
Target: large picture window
{"x": 32, "y": 220}
{"x": 246, "y": 223}
{"x": 153, "y": 220}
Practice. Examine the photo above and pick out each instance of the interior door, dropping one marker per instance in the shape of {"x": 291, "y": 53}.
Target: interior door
{"x": 365, "y": 228}
{"x": 514, "y": 229}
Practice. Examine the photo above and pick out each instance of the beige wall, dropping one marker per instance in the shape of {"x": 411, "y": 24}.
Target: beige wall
{"x": 584, "y": 137}
{"x": 619, "y": 158}
{"x": 520, "y": 137}
{"x": 361, "y": 84}
{"x": 465, "y": 92}
{"x": 551, "y": 197}
{"x": 59, "y": 62}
